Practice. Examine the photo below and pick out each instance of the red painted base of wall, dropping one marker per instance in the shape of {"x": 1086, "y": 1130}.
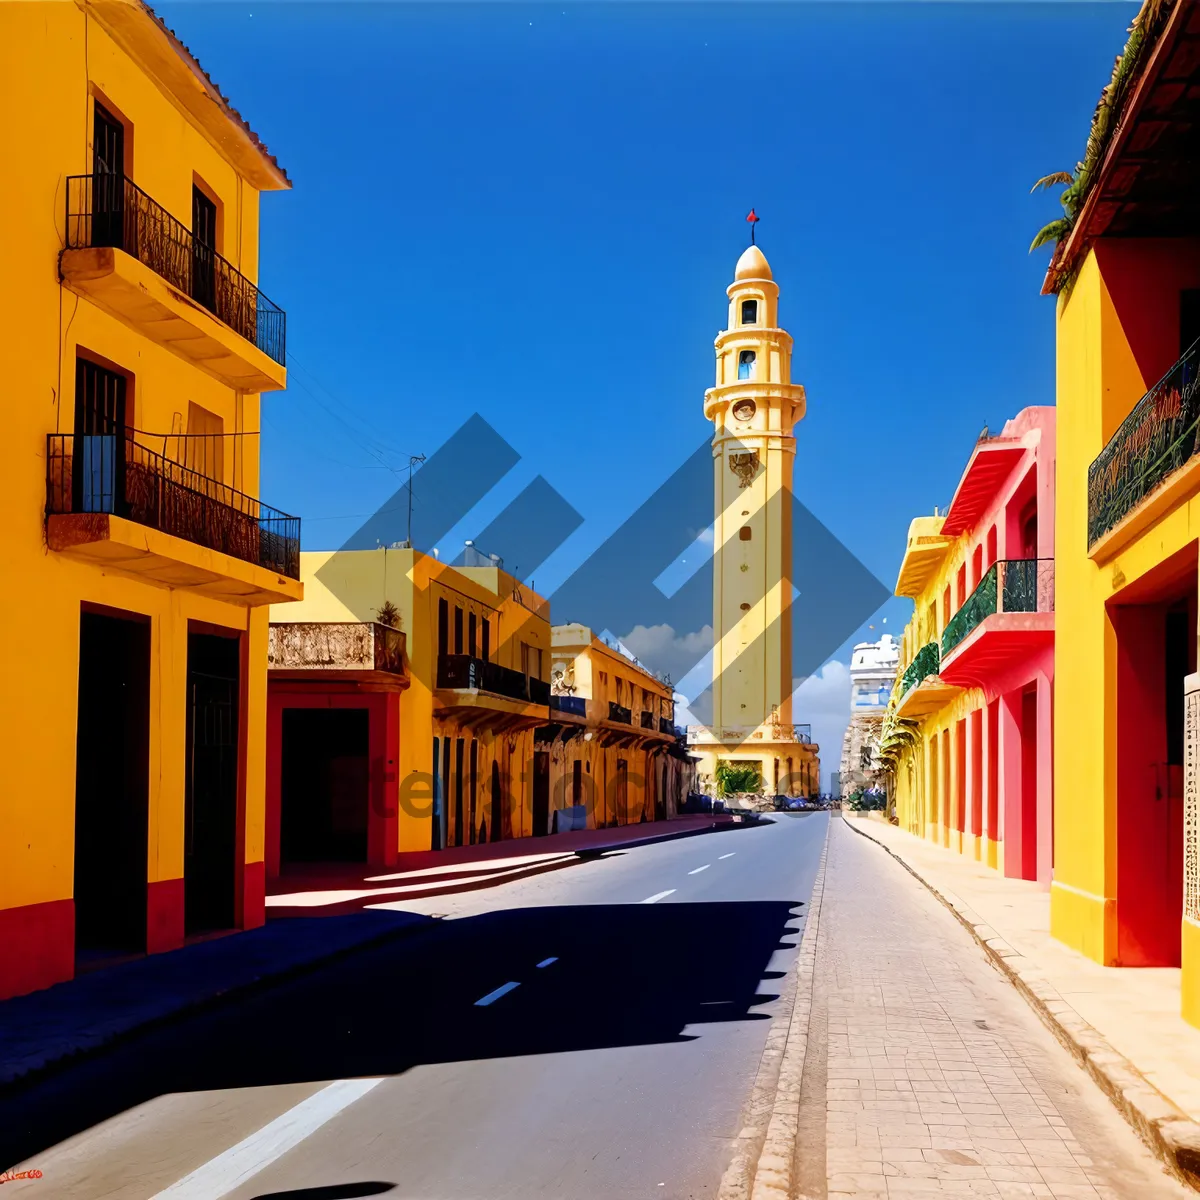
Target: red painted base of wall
{"x": 253, "y": 906}
{"x": 164, "y": 915}
{"x": 37, "y": 946}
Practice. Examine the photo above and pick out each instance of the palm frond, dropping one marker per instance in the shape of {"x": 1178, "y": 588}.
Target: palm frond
{"x": 1051, "y": 179}
{"x": 1054, "y": 232}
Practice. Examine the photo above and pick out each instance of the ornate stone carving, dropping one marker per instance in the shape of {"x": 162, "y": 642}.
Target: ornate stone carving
{"x": 1191, "y": 798}
{"x": 745, "y": 466}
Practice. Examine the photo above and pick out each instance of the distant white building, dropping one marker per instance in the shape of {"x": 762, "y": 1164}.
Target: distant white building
{"x": 872, "y": 674}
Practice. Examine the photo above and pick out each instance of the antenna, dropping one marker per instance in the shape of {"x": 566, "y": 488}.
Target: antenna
{"x": 413, "y": 459}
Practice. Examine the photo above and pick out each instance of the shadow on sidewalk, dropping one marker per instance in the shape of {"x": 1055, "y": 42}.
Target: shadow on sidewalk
{"x": 588, "y": 976}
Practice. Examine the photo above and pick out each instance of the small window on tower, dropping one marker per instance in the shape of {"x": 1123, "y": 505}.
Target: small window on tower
{"x": 746, "y": 364}
{"x": 749, "y": 312}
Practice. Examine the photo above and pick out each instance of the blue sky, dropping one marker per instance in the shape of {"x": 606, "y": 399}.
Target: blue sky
{"x": 532, "y": 211}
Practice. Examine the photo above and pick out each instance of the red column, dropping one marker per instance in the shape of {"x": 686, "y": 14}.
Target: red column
{"x": 1045, "y": 781}
{"x": 1010, "y": 782}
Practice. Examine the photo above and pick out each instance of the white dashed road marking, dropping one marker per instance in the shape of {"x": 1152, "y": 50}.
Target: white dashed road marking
{"x": 659, "y": 896}
{"x": 502, "y": 990}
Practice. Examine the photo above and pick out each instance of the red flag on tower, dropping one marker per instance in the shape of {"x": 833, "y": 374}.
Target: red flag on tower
{"x": 752, "y": 217}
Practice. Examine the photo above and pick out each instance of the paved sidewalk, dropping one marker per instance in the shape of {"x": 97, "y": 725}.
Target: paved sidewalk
{"x": 1123, "y": 1026}
{"x": 45, "y": 1029}
{"x": 936, "y": 1079}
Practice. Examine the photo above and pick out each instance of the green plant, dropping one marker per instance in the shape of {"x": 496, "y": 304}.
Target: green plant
{"x": 388, "y": 614}
{"x": 731, "y": 778}
{"x": 868, "y": 800}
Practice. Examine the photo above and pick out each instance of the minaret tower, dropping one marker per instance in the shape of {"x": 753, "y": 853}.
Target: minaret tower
{"x": 754, "y": 408}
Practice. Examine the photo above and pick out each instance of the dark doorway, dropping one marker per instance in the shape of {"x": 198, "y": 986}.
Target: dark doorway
{"x": 325, "y": 785}
{"x": 541, "y": 792}
{"x": 460, "y": 825}
{"x": 497, "y": 804}
{"x": 108, "y": 178}
{"x": 112, "y": 773}
{"x": 622, "y": 792}
{"x": 204, "y": 249}
{"x": 98, "y": 461}
{"x": 210, "y": 814}
{"x": 474, "y": 788}
{"x": 439, "y": 796}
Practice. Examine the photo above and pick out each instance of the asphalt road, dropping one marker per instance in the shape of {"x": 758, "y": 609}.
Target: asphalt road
{"x": 590, "y": 1032}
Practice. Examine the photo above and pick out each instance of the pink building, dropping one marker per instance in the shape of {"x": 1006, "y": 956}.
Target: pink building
{"x": 978, "y": 658}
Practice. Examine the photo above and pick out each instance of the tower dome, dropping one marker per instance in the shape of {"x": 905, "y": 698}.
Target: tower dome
{"x": 752, "y": 265}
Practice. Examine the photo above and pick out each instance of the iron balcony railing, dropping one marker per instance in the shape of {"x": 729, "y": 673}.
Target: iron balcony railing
{"x": 618, "y": 712}
{"x": 1152, "y": 443}
{"x": 925, "y": 662}
{"x": 467, "y": 671}
{"x": 1017, "y": 585}
{"x": 110, "y": 210}
{"x": 115, "y": 473}
{"x": 575, "y": 705}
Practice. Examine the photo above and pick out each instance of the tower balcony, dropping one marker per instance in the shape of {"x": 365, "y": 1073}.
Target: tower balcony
{"x": 924, "y": 553}
{"x": 126, "y": 253}
{"x": 1008, "y": 616}
{"x": 113, "y": 501}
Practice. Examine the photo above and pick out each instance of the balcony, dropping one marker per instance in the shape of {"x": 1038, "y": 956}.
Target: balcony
{"x": 113, "y": 500}
{"x": 1149, "y": 464}
{"x": 619, "y": 713}
{"x": 489, "y": 689}
{"x": 1008, "y": 616}
{"x": 924, "y": 552}
{"x": 129, "y": 255}
{"x": 573, "y": 706}
{"x": 922, "y": 689}
{"x": 362, "y": 652}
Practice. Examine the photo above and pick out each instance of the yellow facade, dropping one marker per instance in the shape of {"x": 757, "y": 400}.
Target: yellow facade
{"x": 614, "y": 759}
{"x": 1127, "y": 279}
{"x": 754, "y": 408}
{"x": 478, "y": 665}
{"x": 64, "y": 303}
{"x": 1107, "y": 360}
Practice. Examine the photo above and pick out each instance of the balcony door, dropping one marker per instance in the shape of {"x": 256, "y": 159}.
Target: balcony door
{"x": 108, "y": 178}
{"x": 204, "y": 249}
{"x": 98, "y": 456}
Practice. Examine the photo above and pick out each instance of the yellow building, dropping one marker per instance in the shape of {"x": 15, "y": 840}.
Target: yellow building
{"x": 967, "y": 736}
{"x": 1127, "y": 278}
{"x": 138, "y": 561}
{"x": 754, "y": 408}
{"x": 450, "y": 745}
{"x": 615, "y": 757}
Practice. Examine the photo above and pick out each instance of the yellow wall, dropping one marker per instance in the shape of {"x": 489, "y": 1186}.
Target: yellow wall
{"x": 1117, "y": 332}
{"x": 352, "y": 585}
{"x": 50, "y": 69}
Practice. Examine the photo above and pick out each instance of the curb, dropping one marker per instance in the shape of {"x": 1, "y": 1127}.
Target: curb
{"x": 1170, "y": 1134}
{"x": 763, "y": 1166}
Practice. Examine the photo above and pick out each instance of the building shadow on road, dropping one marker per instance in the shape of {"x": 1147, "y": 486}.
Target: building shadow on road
{"x": 588, "y": 977}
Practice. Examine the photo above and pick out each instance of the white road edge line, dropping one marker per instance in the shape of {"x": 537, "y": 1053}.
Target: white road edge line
{"x": 699, "y": 869}
{"x": 229, "y": 1170}
{"x": 729, "y": 855}
{"x": 547, "y": 961}
{"x": 502, "y": 990}
{"x": 659, "y": 896}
